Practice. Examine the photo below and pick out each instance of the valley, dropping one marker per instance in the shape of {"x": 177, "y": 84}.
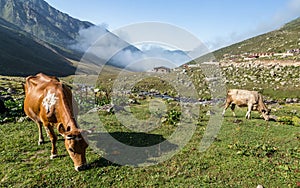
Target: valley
{"x": 149, "y": 129}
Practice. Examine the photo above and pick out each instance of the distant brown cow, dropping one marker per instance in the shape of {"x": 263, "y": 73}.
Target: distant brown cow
{"x": 244, "y": 98}
{"x": 49, "y": 102}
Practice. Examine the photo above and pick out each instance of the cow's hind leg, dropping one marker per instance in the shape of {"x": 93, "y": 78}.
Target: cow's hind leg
{"x": 248, "y": 112}
{"x": 232, "y": 109}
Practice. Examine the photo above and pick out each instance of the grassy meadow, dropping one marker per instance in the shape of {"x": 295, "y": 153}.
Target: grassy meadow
{"x": 245, "y": 153}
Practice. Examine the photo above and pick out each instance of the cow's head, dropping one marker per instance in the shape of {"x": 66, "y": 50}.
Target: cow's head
{"x": 75, "y": 145}
{"x": 266, "y": 111}
{"x": 266, "y": 114}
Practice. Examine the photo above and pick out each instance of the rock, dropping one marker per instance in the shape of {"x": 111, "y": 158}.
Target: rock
{"x": 260, "y": 186}
{"x": 22, "y": 119}
{"x": 93, "y": 110}
{"x": 11, "y": 90}
{"x": 208, "y": 113}
{"x": 272, "y": 73}
{"x": 288, "y": 100}
{"x": 117, "y": 108}
{"x": 133, "y": 101}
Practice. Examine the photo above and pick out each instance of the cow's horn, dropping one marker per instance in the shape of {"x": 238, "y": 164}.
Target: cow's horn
{"x": 70, "y": 137}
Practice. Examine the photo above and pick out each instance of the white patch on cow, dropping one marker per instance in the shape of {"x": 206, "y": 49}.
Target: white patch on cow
{"x": 48, "y": 101}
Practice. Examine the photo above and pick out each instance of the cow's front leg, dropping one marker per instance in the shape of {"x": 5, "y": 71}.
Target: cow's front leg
{"x": 41, "y": 137}
{"x": 248, "y": 112}
{"x": 232, "y": 109}
{"x": 53, "y": 139}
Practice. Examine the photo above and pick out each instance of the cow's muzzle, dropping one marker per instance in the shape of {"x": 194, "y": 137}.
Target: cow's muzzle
{"x": 82, "y": 167}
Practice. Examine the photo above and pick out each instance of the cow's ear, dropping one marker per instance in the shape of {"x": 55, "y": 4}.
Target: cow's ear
{"x": 61, "y": 129}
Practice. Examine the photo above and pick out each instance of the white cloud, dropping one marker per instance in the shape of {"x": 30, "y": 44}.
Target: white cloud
{"x": 102, "y": 47}
{"x": 88, "y": 37}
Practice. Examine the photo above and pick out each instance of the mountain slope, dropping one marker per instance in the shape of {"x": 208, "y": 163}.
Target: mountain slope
{"x": 280, "y": 40}
{"x": 55, "y": 30}
{"x": 43, "y": 21}
{"x": 22, "y": 54}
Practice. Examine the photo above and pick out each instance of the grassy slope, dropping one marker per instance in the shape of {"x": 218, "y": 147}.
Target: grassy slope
{"x": 280, "y": 40}
{"x": 245, "y": 154}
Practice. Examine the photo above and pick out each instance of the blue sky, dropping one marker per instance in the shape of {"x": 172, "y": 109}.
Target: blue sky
{"x": 217, "y": 23}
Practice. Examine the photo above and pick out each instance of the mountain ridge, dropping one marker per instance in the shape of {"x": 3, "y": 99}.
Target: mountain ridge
{"x": 32, "y": 28}
{"x": 41, "y": 20}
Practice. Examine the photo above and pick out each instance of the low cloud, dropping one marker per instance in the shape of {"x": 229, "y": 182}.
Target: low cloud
{"x": 107, "y": 48}
{"x": 87, "y": 37}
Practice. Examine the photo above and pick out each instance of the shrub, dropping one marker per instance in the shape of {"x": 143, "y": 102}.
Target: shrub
{"x": 172, "y": 117}
{"x": 290, "y": 120}
{"x": 14, "y": 110}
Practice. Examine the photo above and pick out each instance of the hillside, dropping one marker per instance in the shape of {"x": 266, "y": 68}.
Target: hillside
{"x": 277, "y": 41}
{"x": 22, "y": 54}
{"x": 41, "y": 20}
{"x": 36, "y": 37}
{"x": 282, "y": 40}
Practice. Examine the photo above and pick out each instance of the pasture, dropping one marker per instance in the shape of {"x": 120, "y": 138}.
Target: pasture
{"x": 244, "y": 153}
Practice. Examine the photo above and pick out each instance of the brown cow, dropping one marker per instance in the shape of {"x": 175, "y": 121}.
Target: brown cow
{"x": 244, "y": 98}
{"x": 50, "y": 102}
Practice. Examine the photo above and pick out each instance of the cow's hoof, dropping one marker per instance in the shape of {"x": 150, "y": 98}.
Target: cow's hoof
{"x": 53, "y": 156}
{"x": 41, "y": 142}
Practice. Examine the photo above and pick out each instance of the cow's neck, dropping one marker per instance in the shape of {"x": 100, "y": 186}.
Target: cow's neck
{"x": 67, "y": 118}
{"x": 69, "y": 121}
{"x": 261, "y": 104}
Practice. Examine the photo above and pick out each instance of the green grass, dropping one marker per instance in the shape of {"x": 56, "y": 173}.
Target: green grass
{"x": 245, "y": 153}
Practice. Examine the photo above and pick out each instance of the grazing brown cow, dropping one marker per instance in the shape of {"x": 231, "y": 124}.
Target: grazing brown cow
{"x": 49, "y": 102}
{"x": 244, "y": 98}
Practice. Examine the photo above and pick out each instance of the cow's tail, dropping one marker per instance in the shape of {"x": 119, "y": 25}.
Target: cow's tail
{"x": 226, "y": 98}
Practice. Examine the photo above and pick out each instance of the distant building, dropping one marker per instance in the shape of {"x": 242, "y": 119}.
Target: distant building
{"x": 161, "y": 69}
{"x": 284, "y": 54}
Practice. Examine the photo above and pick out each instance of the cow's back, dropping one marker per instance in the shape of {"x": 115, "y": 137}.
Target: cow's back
{"x": 38, "y": 81}
{"x": 35, "y": 87}
{"x": 242, "y": 97}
